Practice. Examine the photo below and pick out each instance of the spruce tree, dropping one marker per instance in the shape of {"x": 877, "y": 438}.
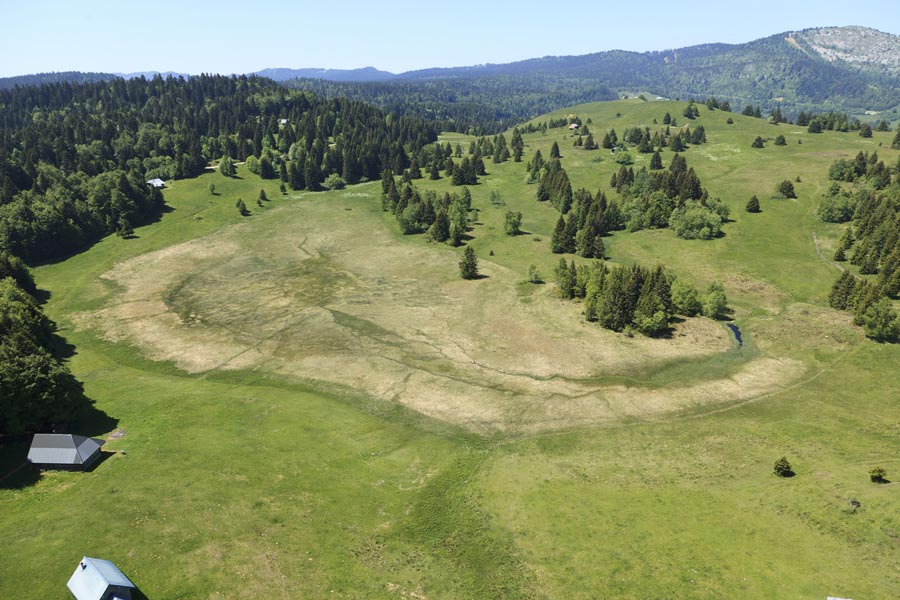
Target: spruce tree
{"x": 554, "y": 151}
{"x": 558, "y": 241}
{"x": 468, "y": 264}
{"x": 656, "y": 162}
{"x": 753, "y": 205}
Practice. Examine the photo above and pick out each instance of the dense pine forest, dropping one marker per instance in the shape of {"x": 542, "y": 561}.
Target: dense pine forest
{"x": 74, "y": 159}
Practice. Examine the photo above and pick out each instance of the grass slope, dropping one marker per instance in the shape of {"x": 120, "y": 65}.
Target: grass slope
{"x": 248, "y": 480}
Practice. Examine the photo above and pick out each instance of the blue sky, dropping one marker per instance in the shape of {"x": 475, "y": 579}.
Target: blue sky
{"x": 226, "y": 36}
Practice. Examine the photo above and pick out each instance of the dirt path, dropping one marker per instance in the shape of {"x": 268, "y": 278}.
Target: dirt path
{"x": 822, "y": 256}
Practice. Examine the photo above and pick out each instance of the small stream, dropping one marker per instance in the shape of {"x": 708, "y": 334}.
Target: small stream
{"x": 737, "y": 333}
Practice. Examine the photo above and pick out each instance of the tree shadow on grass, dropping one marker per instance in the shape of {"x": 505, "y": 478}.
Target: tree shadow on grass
{"x": 15, "y": 470}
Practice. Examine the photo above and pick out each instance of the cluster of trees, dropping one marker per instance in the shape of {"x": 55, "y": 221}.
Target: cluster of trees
{"x": 442, "y": 218}
{"x": 74, "y": 158}
{"x": 636, "y": 297}
{"x": 36, "y": 387}
{"x": 865, "y": 168}
{"x": 651, "y": 199}
{"x": 673, "y": 198}
{"x": 645, "y": 142}
{"x": 873, "y": 244}
{"x": 582, "y": 228}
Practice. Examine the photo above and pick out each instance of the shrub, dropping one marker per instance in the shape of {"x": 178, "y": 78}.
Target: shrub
{"x": 780, "y": 141}
{"x": 695, "y": 222}
{"x": 783, "y": 467}
{"x": 786, "y": 189}
{"x": 624, "y": 158}
{"x": 758, "y": 143}
{"x": 753, "y": 205}
{"x": 715, "y": 304}
{"x": 686, "y": 298}
{"x": 878, "y": 474}
{"x": 334, "y": 182}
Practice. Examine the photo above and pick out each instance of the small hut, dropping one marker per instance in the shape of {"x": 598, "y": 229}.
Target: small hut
{"x": 157, "y": 183}
{"x": 64, "y": 451}
{"x": 98, "y": 579}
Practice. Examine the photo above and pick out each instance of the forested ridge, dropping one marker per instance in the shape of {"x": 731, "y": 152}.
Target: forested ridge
{"x": 470, "y": 104}
{"x": 74, "y": 159}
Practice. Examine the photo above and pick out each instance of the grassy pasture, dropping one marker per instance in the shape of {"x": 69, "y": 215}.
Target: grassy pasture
{"x": 298, "y": 391}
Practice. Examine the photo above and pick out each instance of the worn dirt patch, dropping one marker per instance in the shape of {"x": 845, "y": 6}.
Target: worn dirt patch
{"x": 314, "y": 292}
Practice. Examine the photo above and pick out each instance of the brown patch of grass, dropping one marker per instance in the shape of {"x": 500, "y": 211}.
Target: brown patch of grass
{"x": 295, "y": 294}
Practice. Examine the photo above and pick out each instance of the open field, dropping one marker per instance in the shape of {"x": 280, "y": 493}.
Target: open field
{"x": 317, "y": 406}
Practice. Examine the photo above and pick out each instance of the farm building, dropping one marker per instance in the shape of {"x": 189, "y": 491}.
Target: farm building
{"x": 63, "y": 451}
{"x": 98, "y": 579}
{"x": 573, "y": 126}
{"x": 157, "y": 183}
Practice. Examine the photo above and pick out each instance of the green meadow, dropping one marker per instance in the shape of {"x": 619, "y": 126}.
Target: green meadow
{"x": 304, "y": 403}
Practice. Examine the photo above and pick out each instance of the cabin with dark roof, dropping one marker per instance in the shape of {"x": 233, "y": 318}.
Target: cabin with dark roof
{"x": 98, "y": 579}
{"x": 64, "y": 451}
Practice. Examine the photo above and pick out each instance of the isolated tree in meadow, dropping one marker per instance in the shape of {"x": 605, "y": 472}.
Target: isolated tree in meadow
{"x": 242, "y": 208}
{"x": 780, "y": 141}
{"x": 896, "y": 143}
{"x": 468, "y": 264}
{"x": 212, "y": 189}
{"x": 513, "y": 223}
{"x": 758, "y": 143}
{"x": 534, "y": 275}
{"x": 753, "y": 205}
{"x": 786, "y": 189}
{"x": 878, "y": 475}
{"x": 262, "y": 195}
{"x": 865, "y": 130}
{"x": 667, "y": 119}
{"x": 783, "y": 467}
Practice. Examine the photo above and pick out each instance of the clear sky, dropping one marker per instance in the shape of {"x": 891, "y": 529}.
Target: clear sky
{"x": 227, "y": 36}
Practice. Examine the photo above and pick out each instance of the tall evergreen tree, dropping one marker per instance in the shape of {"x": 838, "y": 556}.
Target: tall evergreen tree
{"x": 468, "y": 264}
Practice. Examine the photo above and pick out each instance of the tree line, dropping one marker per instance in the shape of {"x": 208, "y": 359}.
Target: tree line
{"x": 36, "y": 387}
{"x": 872, "y": 243}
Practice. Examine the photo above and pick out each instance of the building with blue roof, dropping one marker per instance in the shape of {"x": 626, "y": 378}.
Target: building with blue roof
{"x": 98, "y": 579}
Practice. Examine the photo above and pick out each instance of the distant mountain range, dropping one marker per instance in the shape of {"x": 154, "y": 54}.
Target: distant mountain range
{"x": 364, "y": 74}
{"x": 852, "y": 69}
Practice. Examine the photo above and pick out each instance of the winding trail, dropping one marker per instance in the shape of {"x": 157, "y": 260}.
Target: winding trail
{"x": 822, "y": 256}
